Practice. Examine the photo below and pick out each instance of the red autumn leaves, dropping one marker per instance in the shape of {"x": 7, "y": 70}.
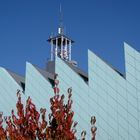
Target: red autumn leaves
{"x": 26, "y": 125}
{"x": 29, "y": 124}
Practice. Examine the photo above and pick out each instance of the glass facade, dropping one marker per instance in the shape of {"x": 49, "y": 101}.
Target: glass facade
{"x": 116, "y": 97}
{"x": 8, "y": 90}
{"x": 69, "y": 78}
{"x": 37, "y": 87}
{"x": 110, "y": 96}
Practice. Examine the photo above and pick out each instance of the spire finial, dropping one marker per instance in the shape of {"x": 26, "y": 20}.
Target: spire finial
{"x": 60, "y": 29}
{"x": 60, "y": 8}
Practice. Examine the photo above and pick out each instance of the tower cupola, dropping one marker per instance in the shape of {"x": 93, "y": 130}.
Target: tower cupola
{"x": 60, "y": 47}
{"x": 61, "y": 44}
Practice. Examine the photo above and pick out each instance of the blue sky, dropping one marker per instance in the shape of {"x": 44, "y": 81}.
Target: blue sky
{"x": 99, "y": 25}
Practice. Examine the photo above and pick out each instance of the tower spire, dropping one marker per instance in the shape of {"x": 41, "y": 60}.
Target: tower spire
{"x": 60, "y": 28}
{"x": 61, "y": 45}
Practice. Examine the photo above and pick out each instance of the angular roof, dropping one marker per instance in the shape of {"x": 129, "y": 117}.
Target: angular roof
{"x": 51, "y": 69}
{"x": 45, "y": 73}
{"x": 83, "y": 74}
{"x": 17, "y": 77}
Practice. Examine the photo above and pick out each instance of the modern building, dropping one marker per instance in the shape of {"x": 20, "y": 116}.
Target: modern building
{"x": 112, "y": 97}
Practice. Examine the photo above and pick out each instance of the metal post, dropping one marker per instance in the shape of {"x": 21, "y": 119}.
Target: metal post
{"x": 70, "y": 50}
{"x": 56, "y": 45}
{"x": 51, "y": 50}
{"x": 61, "y": 46}
{"x": 66, "y": 50}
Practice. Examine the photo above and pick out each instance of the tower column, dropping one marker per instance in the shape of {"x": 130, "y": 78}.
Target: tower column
{"x": 66, "y": 50}
{"x": 56, "y": 47}
{"x": 70, "y": 50}
{"x": 61, "y": 46}
{"x": 51, "y": 50}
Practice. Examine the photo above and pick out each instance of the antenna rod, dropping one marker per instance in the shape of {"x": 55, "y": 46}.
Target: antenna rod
{"x": 60, "y": 29}
{"x": 61, "y": 18}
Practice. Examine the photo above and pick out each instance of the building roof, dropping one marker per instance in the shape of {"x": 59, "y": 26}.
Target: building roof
{"x": 82, "y": 74}
{"x": 59, "y": 38}
{"x": 45, "y": 73}
{"x": 18, "y": 78}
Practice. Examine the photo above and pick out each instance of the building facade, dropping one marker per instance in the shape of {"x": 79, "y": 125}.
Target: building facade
{"x": 104, "y": 92}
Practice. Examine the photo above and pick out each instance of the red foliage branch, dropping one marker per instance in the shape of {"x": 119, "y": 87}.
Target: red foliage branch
{"x": 26, "y": 124}
{"x": 29, "y": 124}
{"x": 61, "y": 118}
{"x": 2, "y": 131}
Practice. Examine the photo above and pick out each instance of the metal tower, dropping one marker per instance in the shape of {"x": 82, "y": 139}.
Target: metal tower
{"x": 61, "y": 44}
